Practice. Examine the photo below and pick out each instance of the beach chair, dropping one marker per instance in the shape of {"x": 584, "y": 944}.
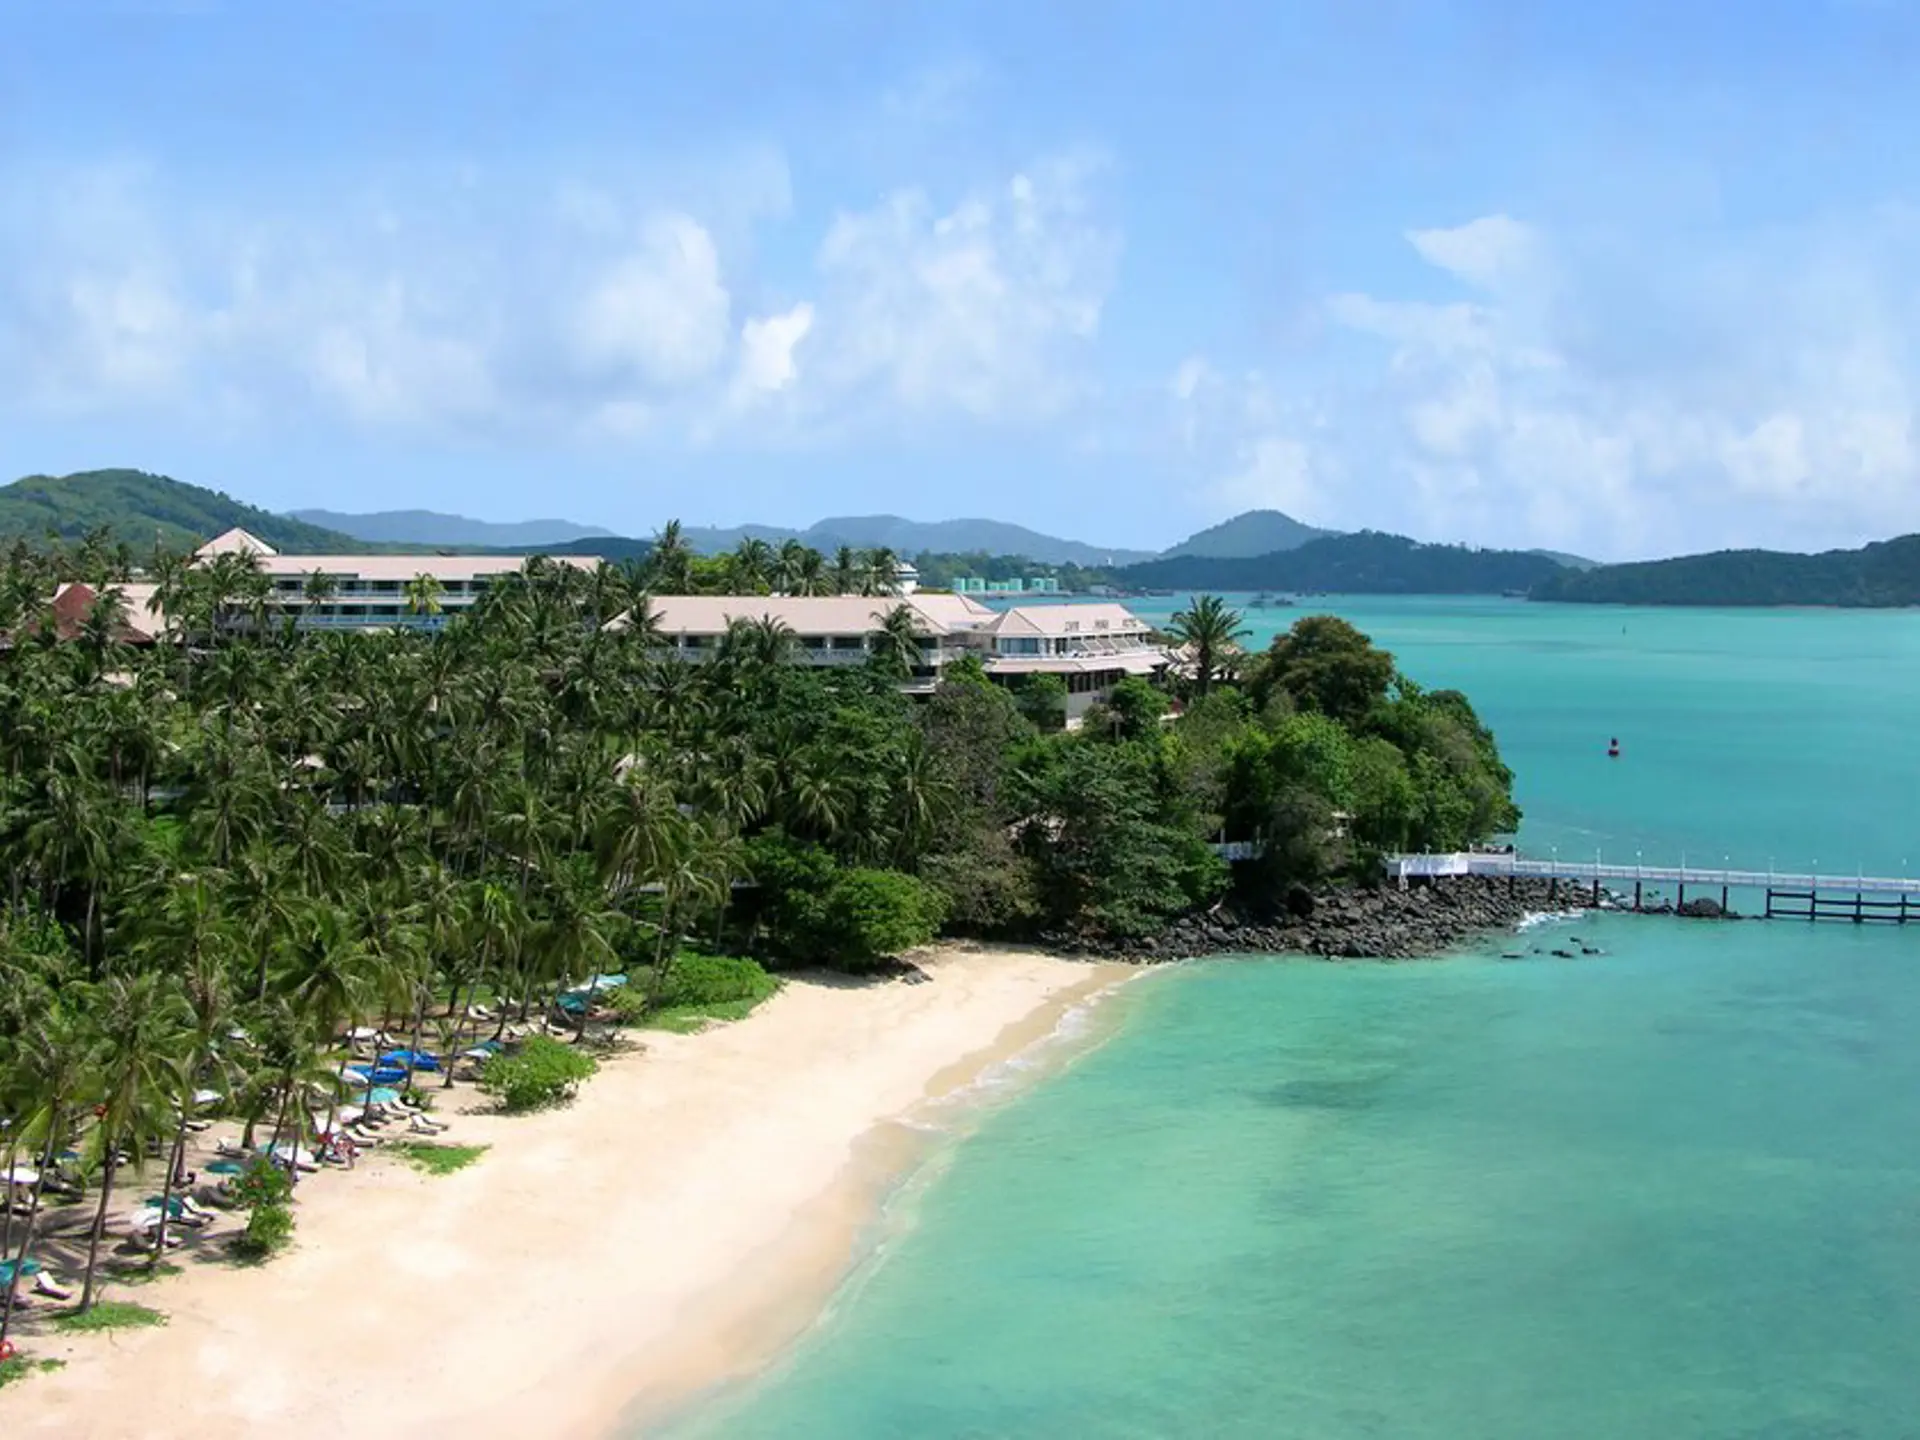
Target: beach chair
{"x": 421, "y": 1125}
{"x": 45, "y": 1284}
{"x": 232, "y": 1149}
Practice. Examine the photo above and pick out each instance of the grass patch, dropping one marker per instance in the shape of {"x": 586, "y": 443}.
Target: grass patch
{"x": 690, "y": 1019}
{"x": 22, "y": 1366}
{"x": 699, "y": 990}
{"x": 438, "y": 1159}
{"x": 109, "y": 1315}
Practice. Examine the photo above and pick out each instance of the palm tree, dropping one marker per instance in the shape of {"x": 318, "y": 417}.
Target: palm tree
{"x": 848, "y": 571}
{"x": 141, "y": 1029}
{"x": 200, "y": 944}
{"x": 893, "y": 645}
{"x": 670, "y": 562}
{"x": 789, "y": 564}
{"x": 423, "y": 596}
{"x": 881, "y": 572}
{"x": 51, "y": 1068}
{"x": 751, "y": 565}
{"x": 1210, "y": 632}
{"x": 318, "y": 591}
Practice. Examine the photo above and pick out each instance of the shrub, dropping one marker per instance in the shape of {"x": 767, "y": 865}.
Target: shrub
{"x": 261, "y": 1183}
{"x": 713, "y": 980}
{"x": 541, "y": 1072}
{"x": 269, "y": 1228}
{"x": 872, "y": 914}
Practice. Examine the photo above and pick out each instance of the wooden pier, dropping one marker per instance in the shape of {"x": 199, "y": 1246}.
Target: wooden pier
{"x": 1860, "y": 899}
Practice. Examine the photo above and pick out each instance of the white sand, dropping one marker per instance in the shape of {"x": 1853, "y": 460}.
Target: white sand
{"x": 684, "y": 1218}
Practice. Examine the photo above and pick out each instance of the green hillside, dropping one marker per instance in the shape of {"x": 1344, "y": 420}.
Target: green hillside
{"x": 1367, "y": 563}
{"x": 1882, "y": 574}
{"x": 138, "y": 507}
{"x": 1248, "y": 536}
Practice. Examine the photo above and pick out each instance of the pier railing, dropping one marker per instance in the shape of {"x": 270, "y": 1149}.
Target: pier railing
{"x": 1808, "y": 895}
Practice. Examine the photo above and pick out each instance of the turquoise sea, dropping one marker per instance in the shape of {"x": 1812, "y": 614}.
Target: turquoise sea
{"x": 1671, "y": 1192}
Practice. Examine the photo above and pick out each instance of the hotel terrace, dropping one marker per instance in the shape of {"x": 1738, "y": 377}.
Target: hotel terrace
{"x": 1089, "y": 646}
{"x": 370, "y": 591}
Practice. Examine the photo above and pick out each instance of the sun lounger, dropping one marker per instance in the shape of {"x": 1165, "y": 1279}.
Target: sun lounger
{"x": 45, "y": 1284}
{"x": 232, "y": 1149}
{"x": 421, "y": 1125}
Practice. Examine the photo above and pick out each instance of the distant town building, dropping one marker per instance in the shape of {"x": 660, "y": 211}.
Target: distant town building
{"x": 1012, "y": 585}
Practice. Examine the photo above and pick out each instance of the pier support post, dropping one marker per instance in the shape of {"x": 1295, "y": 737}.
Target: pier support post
{"x": 1596, "y": 892}
{"x": 1636, "y": 896}
{"x": 1769, "y": 902}
{"x": 1859, "y": 906}
{"x": 1723, "y": 899}
{"x": 1681, "y": 903}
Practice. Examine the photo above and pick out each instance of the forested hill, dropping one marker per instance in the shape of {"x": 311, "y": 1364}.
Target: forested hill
{"x": 1882, "y": 574}
{"x": 139, "y": 508}
{"x": 1368, "y": 563}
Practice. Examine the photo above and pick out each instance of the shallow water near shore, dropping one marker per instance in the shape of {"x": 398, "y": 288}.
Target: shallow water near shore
{"x": 1671, "y": 1190}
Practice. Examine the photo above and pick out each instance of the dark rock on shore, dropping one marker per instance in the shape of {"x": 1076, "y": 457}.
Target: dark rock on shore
{"x": 1349, "y": 922}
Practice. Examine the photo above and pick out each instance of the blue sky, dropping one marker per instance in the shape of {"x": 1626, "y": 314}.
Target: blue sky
{"x": 1627, "y": 279}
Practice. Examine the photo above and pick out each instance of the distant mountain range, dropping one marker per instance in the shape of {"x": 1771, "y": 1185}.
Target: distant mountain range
{"x": 1882, "y": 574}
{"x": 438, "y": 531}
{"x": 140, "y": 508}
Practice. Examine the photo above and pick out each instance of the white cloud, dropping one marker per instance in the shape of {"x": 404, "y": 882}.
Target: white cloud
{"x": 459, "y": 304}
{"x": 1635, "y": 396}
{"x": 986, "y": 308}
{"x": 1273, "y": 472}
{"x": 767, "y": 346}
{"x": 1492, "y": 252}
{"x": 660, "y": 311}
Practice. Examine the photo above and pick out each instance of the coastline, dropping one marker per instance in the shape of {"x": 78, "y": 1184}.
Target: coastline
{"x": 673, "y": 1230}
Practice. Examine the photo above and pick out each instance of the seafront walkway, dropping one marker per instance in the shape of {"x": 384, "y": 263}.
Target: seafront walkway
{"x": 1810, "y": 895}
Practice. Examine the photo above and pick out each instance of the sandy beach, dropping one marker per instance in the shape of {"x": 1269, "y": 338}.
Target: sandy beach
{"x": 677, "y": 1225}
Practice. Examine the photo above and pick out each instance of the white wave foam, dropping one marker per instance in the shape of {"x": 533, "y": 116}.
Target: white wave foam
{"x": 1538, "y": 919}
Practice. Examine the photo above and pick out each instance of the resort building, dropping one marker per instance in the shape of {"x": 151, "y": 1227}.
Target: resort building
{"x": 374, "y": 591}
{"x": 1090, "y": 647}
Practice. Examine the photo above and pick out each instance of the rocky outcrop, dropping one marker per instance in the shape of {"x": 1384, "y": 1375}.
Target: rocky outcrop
{"x": 1349, "y": 922}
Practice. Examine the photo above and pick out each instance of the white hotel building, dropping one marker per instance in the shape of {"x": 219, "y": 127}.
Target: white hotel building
{"x": 1089, "y": 646}
{"x": 370, "y": 591}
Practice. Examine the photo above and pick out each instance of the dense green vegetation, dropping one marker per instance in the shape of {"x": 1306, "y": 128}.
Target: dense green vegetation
{"x": 222, "y": 859}
{"x": 1887, "y": 573}
{"x": 138, "y": 510}
{"x": 1367, "y": 563}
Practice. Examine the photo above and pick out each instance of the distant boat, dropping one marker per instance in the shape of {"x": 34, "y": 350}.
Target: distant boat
{"x": 1613, "y": 749}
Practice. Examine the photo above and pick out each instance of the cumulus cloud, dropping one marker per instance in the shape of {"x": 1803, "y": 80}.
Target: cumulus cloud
{"x": 1627, "y": 397}
{"x": 660, "y": 311}
{"x": 987, "y": 308}
{"x": 472, "y": 305}
{"x": 767, "y": 345}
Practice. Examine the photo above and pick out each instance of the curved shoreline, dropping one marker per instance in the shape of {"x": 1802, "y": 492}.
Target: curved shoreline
{"x": 675, "y": 1229}
{"x": 738, "y": 1332}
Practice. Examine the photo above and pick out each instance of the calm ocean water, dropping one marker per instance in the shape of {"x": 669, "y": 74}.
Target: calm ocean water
{"x": 1669, "y": 1192}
